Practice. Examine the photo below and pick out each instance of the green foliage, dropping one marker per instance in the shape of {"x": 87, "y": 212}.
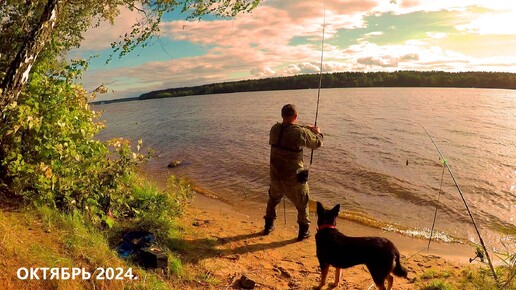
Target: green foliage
{"x": 19, "y": 18}
{"x": 80, "y": 238}
{"x": 175, "y": 265}
{"x": 51, "y": 157}
{"x": 48, "y": 154}
{"x": 507, "y": 271}
{"x": 180, "y": 193}
{"x": 147, "y": 208}
{"x": 150, "y": 209}
{"x": 437, "y": 285}
{"x": 81, "y": 242}
{"x": 437, "y": 280}
{"x": 47, "y": 151}
{"x": 482, "y": 278}
{"x": 430, "y": 274}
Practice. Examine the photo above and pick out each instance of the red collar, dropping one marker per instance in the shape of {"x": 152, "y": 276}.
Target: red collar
{"x": 322, "y": 227}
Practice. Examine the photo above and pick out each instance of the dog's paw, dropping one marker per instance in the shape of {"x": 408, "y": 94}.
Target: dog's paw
{"x": 333, "y": 285}
{"x": 318, "y": 287}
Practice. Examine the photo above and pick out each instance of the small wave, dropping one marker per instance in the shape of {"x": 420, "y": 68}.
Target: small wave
{"x": 411, "y": 232}
{"x": 423, "y": 233}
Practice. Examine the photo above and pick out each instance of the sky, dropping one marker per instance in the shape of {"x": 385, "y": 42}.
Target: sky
{"x": 283, "y": 38}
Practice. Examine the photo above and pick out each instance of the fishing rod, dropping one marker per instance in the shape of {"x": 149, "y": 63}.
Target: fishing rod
{"x": 445, "y": 164}
{"x": 320, "y": 77}
{"x": 318, "y": 99}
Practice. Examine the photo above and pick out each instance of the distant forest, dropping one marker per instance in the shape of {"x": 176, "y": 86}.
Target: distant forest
{"x": 350, "y": 80}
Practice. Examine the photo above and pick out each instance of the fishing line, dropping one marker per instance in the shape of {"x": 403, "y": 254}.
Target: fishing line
{"x": 445, "y": 163}
{"x": 436, "y": 206}
{"x": 413, "y": 255}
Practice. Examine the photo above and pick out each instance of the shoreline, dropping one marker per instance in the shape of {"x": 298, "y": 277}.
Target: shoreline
{"x": 227, "y": 244}
{"x": 456, "y": 252}
{"x": 209, "y": 201}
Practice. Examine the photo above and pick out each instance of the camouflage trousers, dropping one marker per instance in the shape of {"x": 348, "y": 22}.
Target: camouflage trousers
{"x": 298, "y": 193}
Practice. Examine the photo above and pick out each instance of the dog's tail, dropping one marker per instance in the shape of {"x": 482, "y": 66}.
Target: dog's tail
{"x": 399, "y": 270}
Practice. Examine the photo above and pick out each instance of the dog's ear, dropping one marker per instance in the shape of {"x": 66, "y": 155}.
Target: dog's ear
{"x": 335, "y": 210}
{"x": 320, "y": 209}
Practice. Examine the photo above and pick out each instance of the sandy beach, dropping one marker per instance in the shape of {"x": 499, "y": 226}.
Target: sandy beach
{"x": 228, "y": 245}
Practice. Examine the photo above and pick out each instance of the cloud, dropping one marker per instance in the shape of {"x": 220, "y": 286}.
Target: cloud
{"x": 263, "y": 72}
{"x": 436, "y": 35}
{"x": 283, "y": 37}
{"x": 416, "y": 56}
{"x": 409, "y": 57}
{"x": 408, "y": 6}
{"x": 370, "y": 35}
{"x": 384, "y": 61}
{"x": 275, "y": 22}
{"x": 101, "y": 37}
{"x": 258, "y": 43}
{"x": 301, "y": 68}
{"x": 261, "y": 40}
{"x": 409, "y": 3}
{"x": 301, "y": 10}
{"x": 212, "y": 67}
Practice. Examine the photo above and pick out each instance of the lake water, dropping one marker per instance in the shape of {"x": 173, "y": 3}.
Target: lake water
{"x": 371, "y": 134}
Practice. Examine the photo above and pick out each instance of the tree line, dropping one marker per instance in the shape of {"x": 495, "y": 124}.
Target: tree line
{"x": 349, "y": 80}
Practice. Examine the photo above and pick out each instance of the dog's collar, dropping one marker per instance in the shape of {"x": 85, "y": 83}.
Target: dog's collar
{"x": 322, "y": 227}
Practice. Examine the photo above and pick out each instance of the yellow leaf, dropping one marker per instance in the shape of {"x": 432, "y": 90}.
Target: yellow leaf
{"x": 48, "y": 172}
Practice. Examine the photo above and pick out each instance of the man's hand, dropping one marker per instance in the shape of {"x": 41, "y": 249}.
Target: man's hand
{"x": 314, "y": 129}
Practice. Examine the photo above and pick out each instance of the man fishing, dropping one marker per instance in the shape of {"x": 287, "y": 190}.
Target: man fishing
{"x": 287, "y": 174}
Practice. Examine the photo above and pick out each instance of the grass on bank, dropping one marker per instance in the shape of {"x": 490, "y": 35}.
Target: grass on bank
{"x": 44, "y": 237}
{"x": 471, "y": 277}
{"x": 38, "y": 236}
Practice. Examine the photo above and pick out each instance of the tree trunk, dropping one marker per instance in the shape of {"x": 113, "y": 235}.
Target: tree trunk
{"x": 18, "y": 72}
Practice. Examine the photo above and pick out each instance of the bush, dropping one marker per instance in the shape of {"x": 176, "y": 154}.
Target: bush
{"x": 150, "y": 209}
{"x": 49, "y": 156}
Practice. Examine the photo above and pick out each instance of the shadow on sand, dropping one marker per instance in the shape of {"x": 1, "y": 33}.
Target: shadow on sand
{"x": 199, "y": 249}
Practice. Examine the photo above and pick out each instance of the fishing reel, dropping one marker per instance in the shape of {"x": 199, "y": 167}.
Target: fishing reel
{"x": 478, "y": 254}
{"x": 302, "y": 176}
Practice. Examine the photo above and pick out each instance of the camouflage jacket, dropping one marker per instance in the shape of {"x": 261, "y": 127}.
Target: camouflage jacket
{"x": 287, "y": 154}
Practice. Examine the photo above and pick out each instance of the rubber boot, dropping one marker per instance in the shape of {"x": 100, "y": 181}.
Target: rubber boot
{"x": 304, "y": 232}
{"x": 269, "y": 226}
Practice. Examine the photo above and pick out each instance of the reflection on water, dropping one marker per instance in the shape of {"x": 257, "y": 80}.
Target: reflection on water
{"x": 376, "y": 160}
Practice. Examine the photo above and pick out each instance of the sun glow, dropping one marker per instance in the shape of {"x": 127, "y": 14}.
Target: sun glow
{"x": 494, "y": 23}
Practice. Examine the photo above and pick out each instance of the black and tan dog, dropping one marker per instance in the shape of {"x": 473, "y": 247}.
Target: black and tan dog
{"x": 340, "y": 251}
